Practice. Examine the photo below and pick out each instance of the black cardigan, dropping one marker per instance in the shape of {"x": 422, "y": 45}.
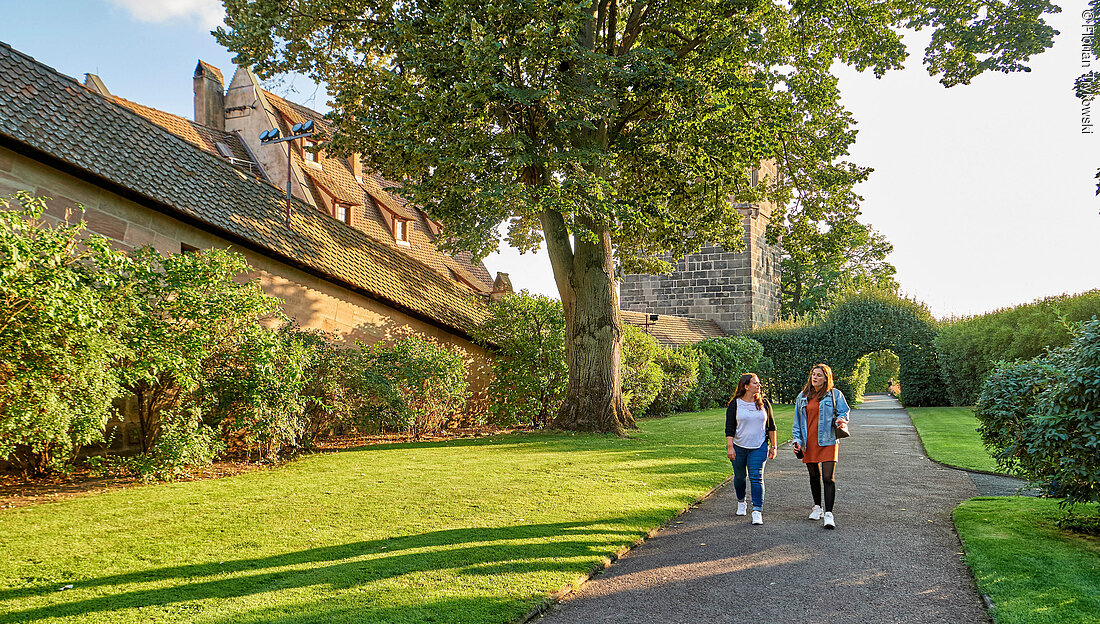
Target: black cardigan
{"x": 731, "y": 418}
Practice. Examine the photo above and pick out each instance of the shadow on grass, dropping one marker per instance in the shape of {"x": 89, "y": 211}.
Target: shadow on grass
{"x": 346, "y": 566}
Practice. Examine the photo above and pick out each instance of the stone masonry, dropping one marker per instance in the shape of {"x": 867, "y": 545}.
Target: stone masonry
{"x": 738, "y": 291}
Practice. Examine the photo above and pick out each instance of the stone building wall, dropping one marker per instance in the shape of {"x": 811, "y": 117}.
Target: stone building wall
{"x": 738, "y": 291}
{"x": 312, "y": 301}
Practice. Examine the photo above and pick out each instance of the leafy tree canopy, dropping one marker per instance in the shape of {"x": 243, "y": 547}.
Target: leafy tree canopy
{"x": 642, "y": 116}
{"x": 821, "y": 266}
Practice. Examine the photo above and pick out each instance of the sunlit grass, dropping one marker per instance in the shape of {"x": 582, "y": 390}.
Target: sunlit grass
{"x": 460, "y": 531}
{"x": 950, "y": 436}
{"x": 1034, "y": 572}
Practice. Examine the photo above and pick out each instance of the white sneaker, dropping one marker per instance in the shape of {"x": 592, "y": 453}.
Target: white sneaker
{"x": 757, "y": 517}
{"x": 829, "y": 523}
{"x": 741, "y": 507}
{"x": 815, "y": 513}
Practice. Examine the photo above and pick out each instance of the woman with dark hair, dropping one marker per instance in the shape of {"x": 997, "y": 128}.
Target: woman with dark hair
{"x": 750, "y": 442}
{"x": 817, "y": 410}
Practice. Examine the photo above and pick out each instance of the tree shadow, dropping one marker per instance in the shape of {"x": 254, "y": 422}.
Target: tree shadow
{"x": 470, "y": 552}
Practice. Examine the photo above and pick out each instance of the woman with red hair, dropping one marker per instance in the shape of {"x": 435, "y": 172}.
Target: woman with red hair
{"x": 818, "y": 411}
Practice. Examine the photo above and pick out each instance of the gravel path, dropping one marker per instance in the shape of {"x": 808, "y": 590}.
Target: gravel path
{"x": 894, "y": 557}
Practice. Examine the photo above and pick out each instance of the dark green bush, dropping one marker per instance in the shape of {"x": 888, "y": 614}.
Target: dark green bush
{"x": 413, "y": 385}
{"x": 1041, "y": 418}
{"x": 693, "y": 400}
{"x": 679, "y": 376}
{"x": 730, "y": 358}
{"x": 527, "y": 333}
{"x": 641, "y": 374}
{"x": 858, "y": 325}
{"x": 969, "y": 347}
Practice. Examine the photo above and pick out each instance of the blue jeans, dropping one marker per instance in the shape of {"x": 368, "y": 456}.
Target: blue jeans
{"x": 753, "y": 460}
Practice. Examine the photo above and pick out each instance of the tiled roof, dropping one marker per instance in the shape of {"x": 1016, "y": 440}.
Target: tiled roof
{"x": 339, "y": 181}
{"x": 54, "y": 115}
{"x": 673, "y": 331}
{"x": 198, "y": 135}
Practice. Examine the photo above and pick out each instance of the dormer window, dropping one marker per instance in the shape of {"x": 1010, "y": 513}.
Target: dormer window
{"x": 308, "y": 147}
{"x": 401, "y": 231}
{"x": 343, "y": 212}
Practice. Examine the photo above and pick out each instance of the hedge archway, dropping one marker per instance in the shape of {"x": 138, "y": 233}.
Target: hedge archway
{"x": 855, "y": 327}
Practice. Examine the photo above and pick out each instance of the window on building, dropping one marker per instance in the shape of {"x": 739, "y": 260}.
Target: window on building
{"x": 343, "y": 212}
{"x": 401, "y": 230}
{"x": 185, "y": 248}
{"x": 755, "y": 177}
{"x": 308, "y": 146}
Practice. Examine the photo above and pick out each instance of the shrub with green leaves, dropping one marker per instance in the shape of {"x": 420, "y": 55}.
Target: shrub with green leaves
{"x": 415, "y": 386}
{"x": 1041, "y": 418}
{"x": 969, "y": 347}
{"x": 693, "y": 401}
{"x": 527, "y": 333}
{"x": 190, "y": 316}
{"x": 184, "y": 443}
{"x": 730, "y": 357}
{"x": 57, "y": 291}
{"x": 641, "y": 374}
{"x": 858, "y": 325}
{"x": 679, "y": 376}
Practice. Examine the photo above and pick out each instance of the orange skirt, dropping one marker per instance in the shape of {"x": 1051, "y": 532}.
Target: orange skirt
{"x": 815, "y": 453}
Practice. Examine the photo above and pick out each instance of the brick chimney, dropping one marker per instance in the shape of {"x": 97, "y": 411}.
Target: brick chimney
{"x": 209, "y": 96}
{"x": 501, "y": 286}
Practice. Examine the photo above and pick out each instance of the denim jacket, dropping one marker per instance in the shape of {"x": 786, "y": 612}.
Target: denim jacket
{"x": 825, "y": 434}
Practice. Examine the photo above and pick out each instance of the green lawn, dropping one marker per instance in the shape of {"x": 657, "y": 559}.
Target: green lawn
{"x": 950, "y": 436}
{"x": 460, "y": 531}
{"x": 1034, "y": 572}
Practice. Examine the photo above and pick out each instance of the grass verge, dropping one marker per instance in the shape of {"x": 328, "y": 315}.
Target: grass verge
{"x": 950, "y": 436}
{"x": 1034, "y": 572}
{"x": 473, "y": 531}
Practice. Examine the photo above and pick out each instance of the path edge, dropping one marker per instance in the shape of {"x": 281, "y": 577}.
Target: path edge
{"x": 554, "y": 598}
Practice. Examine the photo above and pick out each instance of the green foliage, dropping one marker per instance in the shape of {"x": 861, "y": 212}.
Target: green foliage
{"x": 704, "y": 379}
{"x": 730, "y": 357}
{"x": 184, "y": 443}
{"x": 1041, "y": 418}
{"x": 190, "y": 320}
{"x": 969, "y": 347}
{"x": 858, "y": 325}
{"x": 884, "y": 367}
{"x": 615, "y": 132}
{"x": 858, "y": 379}
{"x": 413, "y": 385}
{"x": 529, "y": 369}
{"x": 56, "y": 313}
{"x": 679, "y": 376}
{"x": 642, "y": 376}
{"x": 820, "y": 267}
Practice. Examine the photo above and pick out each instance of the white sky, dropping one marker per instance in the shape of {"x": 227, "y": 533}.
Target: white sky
{"x": 986, "y": 191}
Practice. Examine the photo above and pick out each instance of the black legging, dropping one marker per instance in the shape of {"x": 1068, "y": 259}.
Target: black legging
{"x": 817, "y": 475}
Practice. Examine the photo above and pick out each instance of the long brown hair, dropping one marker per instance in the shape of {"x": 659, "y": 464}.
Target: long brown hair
{"x": 826, "y": 388}
{"x": 742, "y": 388}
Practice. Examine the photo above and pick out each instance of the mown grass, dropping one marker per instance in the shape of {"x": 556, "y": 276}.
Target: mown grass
{"x": 1034, "y": 572}
{"x": 950, "y": 436}
{"x": 460, "y": 531}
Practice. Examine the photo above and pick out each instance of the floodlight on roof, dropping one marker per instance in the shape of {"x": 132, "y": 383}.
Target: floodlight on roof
{"x": 299, "y": 131}
{"x": 297, "y": 128}
{"x": 269, "y": 135}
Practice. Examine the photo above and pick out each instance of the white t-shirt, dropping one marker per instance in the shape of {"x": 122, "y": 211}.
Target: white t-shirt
{"x": 750, "y": 425}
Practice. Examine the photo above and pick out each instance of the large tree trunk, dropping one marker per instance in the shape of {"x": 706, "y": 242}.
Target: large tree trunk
{"x": 584, "y": 273}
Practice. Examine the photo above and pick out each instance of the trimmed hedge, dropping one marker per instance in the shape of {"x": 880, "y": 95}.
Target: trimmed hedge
{"x": 858, "y": 325}
{"x": 968, "y": 348}
{"x": 1041, "y": 418}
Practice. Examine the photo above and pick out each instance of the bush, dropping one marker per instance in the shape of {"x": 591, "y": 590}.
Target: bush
{"x": 184, "y": 443}
{"x": 858, "y": 325}
{"x": 679, "y": 376}
{"x": 968, "y": 348}
{"x": 693, "y": 401}
{"x": 413, "y": 385}
{"x": 1041, "y": 418}
{"x": 641, "y": 374}
{"x": 529, "y": 368}
{"x": 729, "y": 359}
{"x": 57, "y": 336}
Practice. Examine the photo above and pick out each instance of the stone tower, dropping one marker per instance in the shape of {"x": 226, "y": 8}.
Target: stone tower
{"x": 738, "y": 291}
